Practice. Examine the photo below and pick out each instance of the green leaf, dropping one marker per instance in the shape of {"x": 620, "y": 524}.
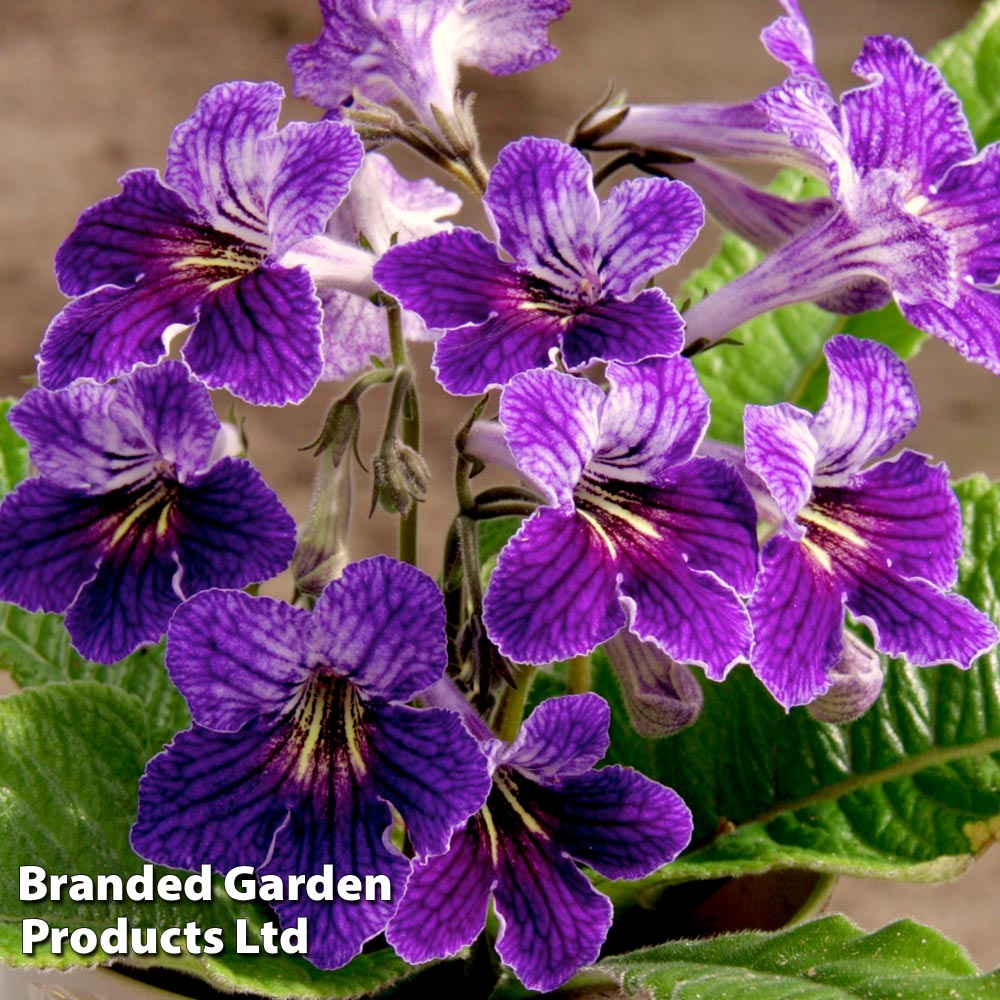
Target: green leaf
{"x": 969, "y": 61}
{"x": 909, "y": 791}
{"x": 35, "y": 648}
{"x": 827, "y": 959}
{"x": 14, "y": 464}
{"x": 71, "y": 756}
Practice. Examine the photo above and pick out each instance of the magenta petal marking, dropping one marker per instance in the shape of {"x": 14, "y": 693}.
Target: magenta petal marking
{"x": 615, "y": 330}
{"x": 258, "y": 336}
{"x": 646, "y": 226}
{"x": 870, "y": 407}
{"x": 797, "y": 613}
{"x": 551, "y": 425}
{"x": 552, "y": 594}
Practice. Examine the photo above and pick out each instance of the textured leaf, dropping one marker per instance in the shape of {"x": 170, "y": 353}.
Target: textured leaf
{"x": 828, "y": 959}
{"x": 71, "y": 756}
{"x": 14, "y": 464}
{"x": 909, "y": 791}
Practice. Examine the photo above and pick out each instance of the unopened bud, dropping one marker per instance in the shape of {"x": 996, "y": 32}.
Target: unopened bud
{"x": 857, "y": 682}
{"x": 661, "y": 695}
{"x": 401, "y": 477}
{"x": 321, "y": 553}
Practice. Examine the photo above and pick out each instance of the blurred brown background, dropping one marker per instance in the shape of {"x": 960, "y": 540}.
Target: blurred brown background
{"x": 90, "y": 89}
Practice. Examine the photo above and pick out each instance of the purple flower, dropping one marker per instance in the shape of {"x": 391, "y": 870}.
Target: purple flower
{"x": 881, "y": 541}
{"x": 301, "y": 742}
{"x": 397, "y": 50}
{"x": 548, "y": 807}
{"x": 913, "y": 213}
{"x": 575, "y": 281}
{"x": 381, "y": 210}
{"x": 204, "y": 249}
{"x": 637, "y": 533}
{"x": 135, "y": 509}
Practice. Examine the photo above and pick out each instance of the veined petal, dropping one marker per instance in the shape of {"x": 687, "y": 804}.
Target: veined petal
{"x": 781, "y": 448}
{"x": 213, "y": 157}
{"x": 552, "y": 594}
{"x": 551, "y": 423}
{"x": 870, "y": 407}
{"x": 562, "y": 738}
{"x": 797, "y": 611}
{"x": 542, "y": 203}
{"x": 541, "y": 896}
{"x": 354, "y": 330}
{"x": 901, "y": 514}
{"x": 655, "y": 416}
{"x": 309, "y": 171}
{"x": 646, "y": 225}
{"x": 51, "y": 541}
{"x": 789, "y": 40}
{"x": 427, "y": 765}
{"x": 444, "y": 907}
{"x": 616, "y": 330}
{"x": 913, "y": 618}
{"x": 907, "y": 118}
{"x": 259, "y": 337}
{"x": 213, "y": 798}
{"x": 450, "y": 279}
{"x": 77, "y": 443}
{"x": 619, "y": 822}
{"x": 509, "y": 36}
{"x": 381, "y": 624}
{"x": 232, "y": 529}
{"x": 235, "y": 657}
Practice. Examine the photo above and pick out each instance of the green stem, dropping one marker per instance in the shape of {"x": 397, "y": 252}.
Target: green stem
{"x": 510, "y": 708}
{"x": 408, "y": 529}
{"x": 578, "y": 675}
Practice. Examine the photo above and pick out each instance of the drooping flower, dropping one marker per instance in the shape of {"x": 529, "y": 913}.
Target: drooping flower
{"x": 913, "y": 213}
{"x": 204, "y": 248}
{"x": 636, "y": 533}
{"x": 381, "y": 210}
{"x": 301, "y": 743}
{"x": 397, "y": 50}
{"x": 135, "y": 509}
{"x": 883, "y": 541}
{"x": 548, "y": 808}
{"x": 575, "y": 281}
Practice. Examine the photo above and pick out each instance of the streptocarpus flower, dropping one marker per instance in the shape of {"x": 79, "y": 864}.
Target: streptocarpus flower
{"x": 135, "y": 509}
{"x": 914, "y": 213}
{"x": 204, "y": 248}
{"x": 882, "y": 541}
{"x": 301, "y": 742}
{"x": 637, "y": 532}
{"x": 381, "y": 210}
{"x": 575, "y": 281}
{"x": 548, "y": 808}
{"x": 391, "y": 50}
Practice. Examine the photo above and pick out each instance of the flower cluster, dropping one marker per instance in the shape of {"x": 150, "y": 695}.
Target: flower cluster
{"x": 375, "y": 725}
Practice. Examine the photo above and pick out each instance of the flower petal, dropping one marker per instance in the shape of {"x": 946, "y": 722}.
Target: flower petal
{"x": 212, "y": 798}
{"x": 432, "y": 771}
{"x": 213, "y": 157}
{"x": 870, "y": 407}
{"x": 646, "y": 226}
{"x": 551, "y": 423}
{"x": 789, "y": 40}
{"x": 907, "y": 118}
{"x": 259, "y": 337}
{"x": 444, "y": 907}
{"x": 235, "y": 657}
{"x": 620, "y": 823}
{"x": 655, "y": 416}
{"x": 615, "y": 330}
{"x": 381, "y": 624}
{"x": 541, "y": 200}
{"x": 797, "y": 612}
{"x": 508, "y": 36}
{"x": 782, "y": 450}
{"x": 563, "y": 737}
{"x": 552, "y": 594}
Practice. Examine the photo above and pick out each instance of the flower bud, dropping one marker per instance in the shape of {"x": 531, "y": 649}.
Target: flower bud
{"x": 857, "y": 681}
{"x": 401, "y": 476}
{"x": 321, "y": 553}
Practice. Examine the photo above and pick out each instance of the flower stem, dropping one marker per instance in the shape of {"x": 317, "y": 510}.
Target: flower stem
{"x": 408, "y": 530}
{"x": 578, "y": 675}
{"x": 510, "y": 708}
